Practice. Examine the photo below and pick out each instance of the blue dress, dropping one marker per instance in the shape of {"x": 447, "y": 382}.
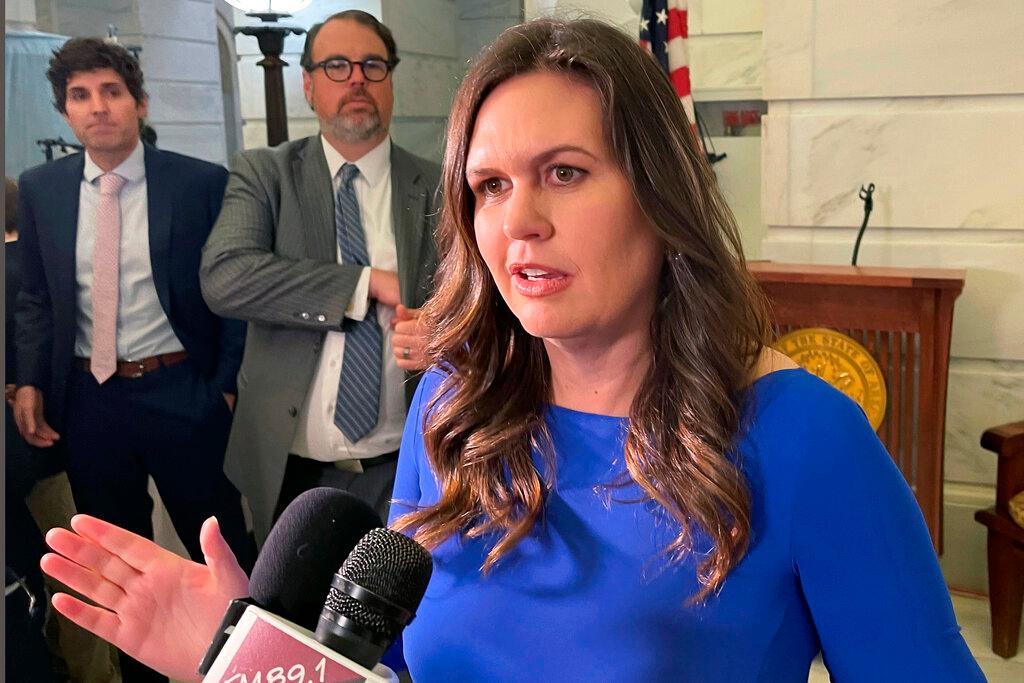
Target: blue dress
{"x": 840, "y": 561}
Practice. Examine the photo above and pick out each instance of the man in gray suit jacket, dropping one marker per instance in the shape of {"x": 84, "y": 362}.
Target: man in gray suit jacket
{"x": 325, "y": 246}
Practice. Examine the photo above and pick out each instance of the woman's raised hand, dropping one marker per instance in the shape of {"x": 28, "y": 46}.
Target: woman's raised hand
{"x": 152, "y": 604}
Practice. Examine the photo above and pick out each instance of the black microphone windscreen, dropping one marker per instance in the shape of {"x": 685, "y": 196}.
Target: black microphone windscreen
{"x": 390, "y": 565}
{"x": 314, "y": 534}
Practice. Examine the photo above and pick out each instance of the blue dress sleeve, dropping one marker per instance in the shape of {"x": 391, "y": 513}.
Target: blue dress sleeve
{"x": 864, "y": 558}
{"x": 412, "y": 455}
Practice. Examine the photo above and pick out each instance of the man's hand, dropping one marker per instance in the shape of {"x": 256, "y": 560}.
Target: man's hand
{"x": 409, "y": 339}
{"x": 28, "y": 415}
{"x": 384, "y": 287}
{"x": 154, "y": 605}
{"x": 9, "y": 390}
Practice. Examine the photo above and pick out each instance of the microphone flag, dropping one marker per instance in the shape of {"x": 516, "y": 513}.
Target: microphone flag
{"x": 264, "y": 648}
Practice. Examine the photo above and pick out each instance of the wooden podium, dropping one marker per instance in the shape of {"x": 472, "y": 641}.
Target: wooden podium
{"x": 904, "y": 317}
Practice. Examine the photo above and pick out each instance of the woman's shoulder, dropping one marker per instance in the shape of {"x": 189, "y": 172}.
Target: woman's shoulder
{"x": 807, "y": 448}
{"x": 431, "y": 392}
{"x": 794, "y": 417}
{"x": 431, "y": 383}
{"x": 796, "y": 395}
{"x": 781, "y": 389}
{"x": 783, "y": 393}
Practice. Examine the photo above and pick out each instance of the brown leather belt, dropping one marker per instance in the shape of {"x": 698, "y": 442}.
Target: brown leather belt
{"x": 361, "y": 464}
{"x": 133, "y": 369}
{"x": 379, "y": 460}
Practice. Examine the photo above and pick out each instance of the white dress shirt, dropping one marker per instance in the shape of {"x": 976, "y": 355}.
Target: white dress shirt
{"x": 317, "y": 436}
{"x": 142, "y": 326}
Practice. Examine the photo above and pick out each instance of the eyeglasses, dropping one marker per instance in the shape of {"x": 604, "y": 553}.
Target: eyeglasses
{"x": 340, "y": 69}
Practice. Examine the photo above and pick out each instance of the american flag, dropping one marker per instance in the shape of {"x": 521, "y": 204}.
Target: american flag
{"x": 664, "y": 32}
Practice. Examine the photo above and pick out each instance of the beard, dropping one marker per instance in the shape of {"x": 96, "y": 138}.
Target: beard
{"x": 355, "y": 127}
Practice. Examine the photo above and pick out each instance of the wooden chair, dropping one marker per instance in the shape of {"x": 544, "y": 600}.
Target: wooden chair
{"x": 1005, "y": 538}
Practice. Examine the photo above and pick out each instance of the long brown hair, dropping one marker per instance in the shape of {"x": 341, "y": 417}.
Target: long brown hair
{"x": 706, "y": 334}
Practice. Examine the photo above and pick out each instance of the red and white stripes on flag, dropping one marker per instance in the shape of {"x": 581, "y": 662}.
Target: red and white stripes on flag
{"x": 664, "y": 32}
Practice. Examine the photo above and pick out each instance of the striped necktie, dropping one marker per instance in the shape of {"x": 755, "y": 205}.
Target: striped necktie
{"x": 106, "y": 259}
{"x": 358, "y": 404}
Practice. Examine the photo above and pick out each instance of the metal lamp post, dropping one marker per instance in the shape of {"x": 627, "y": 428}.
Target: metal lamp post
{"x": 271, "y": 36}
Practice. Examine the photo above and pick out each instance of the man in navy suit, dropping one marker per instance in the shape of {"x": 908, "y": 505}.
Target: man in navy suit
{"x": 119, "y": 360}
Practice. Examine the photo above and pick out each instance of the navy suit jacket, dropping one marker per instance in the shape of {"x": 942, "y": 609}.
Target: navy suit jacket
{"x": 184, "y": 197}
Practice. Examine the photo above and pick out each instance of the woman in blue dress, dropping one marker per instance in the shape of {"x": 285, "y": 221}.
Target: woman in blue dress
{"x": 617, "y": 477}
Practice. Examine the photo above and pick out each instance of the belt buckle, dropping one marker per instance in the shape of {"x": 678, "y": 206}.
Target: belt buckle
{"x": 140, "y": 370}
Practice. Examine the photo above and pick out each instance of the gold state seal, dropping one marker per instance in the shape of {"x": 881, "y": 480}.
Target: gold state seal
{"x": 843, "y": 363}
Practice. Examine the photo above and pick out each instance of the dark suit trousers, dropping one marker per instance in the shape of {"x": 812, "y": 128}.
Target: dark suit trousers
{"x": 170, "y": 424}
{"x": 373, "y": 485}
{"x": 28, "y": 658}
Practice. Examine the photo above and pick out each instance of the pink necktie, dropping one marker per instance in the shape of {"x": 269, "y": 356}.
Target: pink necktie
{"x": 106, "y": 257}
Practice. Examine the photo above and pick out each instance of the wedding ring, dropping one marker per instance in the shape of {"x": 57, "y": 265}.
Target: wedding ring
{"x": 406, "y": 352}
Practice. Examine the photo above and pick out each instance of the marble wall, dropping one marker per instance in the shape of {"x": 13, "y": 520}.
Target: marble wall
{"x": 20, "y": 15}
{"x": 429, "y": 74}
{"x": 924, "y": 98}
{"x": 181, "y": 59}
{"x": 621, "y": 13}
{"x": 480, "y": 21}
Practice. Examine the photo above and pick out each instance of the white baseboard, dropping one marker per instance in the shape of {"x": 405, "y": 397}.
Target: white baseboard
{"x": 964, "y": 559}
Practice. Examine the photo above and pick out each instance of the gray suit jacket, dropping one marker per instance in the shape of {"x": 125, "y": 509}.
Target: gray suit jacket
{"x": 270, "y": 260}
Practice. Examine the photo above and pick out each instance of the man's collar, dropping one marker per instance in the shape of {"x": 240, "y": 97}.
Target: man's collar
{"x": 133, "y": 168}
{"x": 375, "y": 165}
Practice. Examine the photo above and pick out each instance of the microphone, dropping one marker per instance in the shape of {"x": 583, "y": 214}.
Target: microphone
{"x": 374, "y": 595}
{"x": 310, "y": 539}
{"x": 288, "y": 584}
{"x": 869, "y": 203}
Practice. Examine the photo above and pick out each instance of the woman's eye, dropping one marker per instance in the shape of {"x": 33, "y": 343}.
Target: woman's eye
{"x": 491, "y": 186}
{"x": 566, "y": 174}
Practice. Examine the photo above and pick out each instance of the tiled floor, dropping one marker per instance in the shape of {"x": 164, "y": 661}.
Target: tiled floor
{"x": 972, "y": 613}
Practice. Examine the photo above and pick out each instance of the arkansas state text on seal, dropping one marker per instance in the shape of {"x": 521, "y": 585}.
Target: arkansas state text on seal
{"x": 843, "y": 363}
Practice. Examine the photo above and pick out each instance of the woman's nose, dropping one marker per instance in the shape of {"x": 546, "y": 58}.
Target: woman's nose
{"x": 526, "y": 215}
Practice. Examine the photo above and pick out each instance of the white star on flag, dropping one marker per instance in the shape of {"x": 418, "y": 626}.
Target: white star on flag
{"x": 664, "y": 32}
